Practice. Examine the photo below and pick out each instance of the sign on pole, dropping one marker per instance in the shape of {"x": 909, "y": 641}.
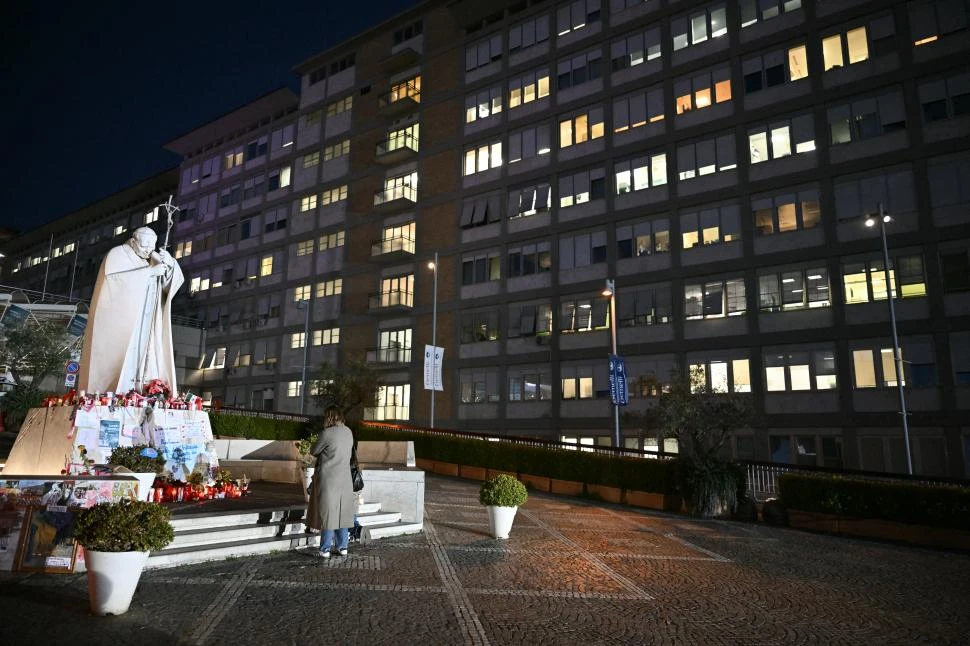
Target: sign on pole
{"x": 70, "y": 379}
{"x": 439, "y": 354}
{"x": 618, "y": 391}
{"x": 72, "y": 367}
{"x": 77, "y": 324}
{"x": 14, "y": 315}
{"x": 433, "y": 356}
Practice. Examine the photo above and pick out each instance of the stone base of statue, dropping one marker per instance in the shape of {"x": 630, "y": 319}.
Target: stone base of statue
{"x": 64, "y": 438}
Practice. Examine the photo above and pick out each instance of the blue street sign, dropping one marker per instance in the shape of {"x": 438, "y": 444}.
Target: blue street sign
{"x": 72, "y": 367}
{"x": 618, "y": 392}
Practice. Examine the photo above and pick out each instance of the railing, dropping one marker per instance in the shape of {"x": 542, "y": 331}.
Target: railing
{"x": 392, "y": 193}
{"x": 524, "y": 441}
{"x": 390, "y": 245}
{"x": 389, "y": 355}
{"x": 400, "y": 93}
{"x": 397, "y": 141}
{"x": 762, "y": 477}
{"x": 394, "y": 298}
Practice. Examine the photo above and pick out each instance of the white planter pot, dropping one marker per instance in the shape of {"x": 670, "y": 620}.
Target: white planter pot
{"x": 500, "y": 520}
{"x": 112, "y": 579}
{"x": 307, "y": 479}
{"x": 145, "y": 482}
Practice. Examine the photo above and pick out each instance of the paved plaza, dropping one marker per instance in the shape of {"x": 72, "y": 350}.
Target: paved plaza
{"x": 573, "y": 572}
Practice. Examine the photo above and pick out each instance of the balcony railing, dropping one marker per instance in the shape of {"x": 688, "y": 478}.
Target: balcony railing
{"x": 394, "y": 194}
{"x": 397, "y": 298}
{"x": 400, "y": 99}
{"x": 389, "y": 356}
{"x": 397, "y": 147}
{"x": 395, "y": 245}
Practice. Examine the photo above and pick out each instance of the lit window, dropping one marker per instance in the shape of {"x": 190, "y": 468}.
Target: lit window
{"x": 308, "y": 203}
{"x": 266, "y": 266}
{"x": 301, "y": 293}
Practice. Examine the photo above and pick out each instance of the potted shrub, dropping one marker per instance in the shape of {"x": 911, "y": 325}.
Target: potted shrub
{"x": 117, "y": 538}
{"x": 141, "y": 461}
{"x": 303, "y": 447}
{"x": 502, "y": 495}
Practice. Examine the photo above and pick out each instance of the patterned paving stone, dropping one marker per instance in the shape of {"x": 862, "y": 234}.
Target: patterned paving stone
{"x": 572, "y": 572}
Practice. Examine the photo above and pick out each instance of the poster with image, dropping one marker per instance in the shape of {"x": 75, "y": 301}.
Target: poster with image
{"x": 109, "y": 433}
{"x": 48, "y": 543}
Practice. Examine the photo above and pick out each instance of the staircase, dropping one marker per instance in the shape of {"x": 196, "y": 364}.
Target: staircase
{"x": 219, "y": 535}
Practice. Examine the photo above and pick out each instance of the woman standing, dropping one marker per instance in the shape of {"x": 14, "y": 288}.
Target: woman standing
{"x": 332, "y": 503}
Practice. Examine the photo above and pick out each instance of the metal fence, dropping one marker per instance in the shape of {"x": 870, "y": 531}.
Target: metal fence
{"x": 526, "y": 441}
{"x": 762, "y": 477}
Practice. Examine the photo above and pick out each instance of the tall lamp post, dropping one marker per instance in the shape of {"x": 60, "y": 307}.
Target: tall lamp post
{"x": 610, "y": 290}
{"x": 304, "y": 305}
{"x": 882, "y": 218}
{"x": 433, "y": 266}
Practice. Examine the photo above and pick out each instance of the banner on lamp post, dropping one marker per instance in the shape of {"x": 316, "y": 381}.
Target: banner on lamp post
{"x": 433, "y": 356}
{"x": 618, "y": 392}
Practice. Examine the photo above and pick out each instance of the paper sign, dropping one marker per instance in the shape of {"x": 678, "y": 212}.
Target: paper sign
{"x": 109, "y": 432}
{"x": 86, "y": 418}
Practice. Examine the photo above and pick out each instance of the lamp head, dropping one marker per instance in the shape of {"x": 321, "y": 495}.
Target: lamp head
{"x": 431, "y": 264}
{"x": 608, "y": 289}
{"x": 870, "y": 221}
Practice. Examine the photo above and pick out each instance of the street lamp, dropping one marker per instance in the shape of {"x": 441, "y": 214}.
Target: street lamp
{"x": 610, "y": 291}
{"x": 433, "y": 266}
{"x": 304, "y": 304}
{"x": 882, "y": 218}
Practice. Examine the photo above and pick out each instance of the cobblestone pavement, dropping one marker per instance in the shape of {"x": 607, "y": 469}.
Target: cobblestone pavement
{"x": 573, "y": 572}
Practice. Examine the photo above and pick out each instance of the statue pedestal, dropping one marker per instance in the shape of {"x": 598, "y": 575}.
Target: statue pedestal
{"x": 50, "y": 438}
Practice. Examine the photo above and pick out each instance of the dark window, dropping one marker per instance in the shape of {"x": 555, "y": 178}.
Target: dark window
{"x": 956, "y": 271}
{"x": 752, "y": 83}
{"x": 934, "y": 110}
{"x": 775, "y": 75}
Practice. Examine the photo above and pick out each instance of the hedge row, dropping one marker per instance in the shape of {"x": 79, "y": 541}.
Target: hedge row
{"x": 932, "y": 506}
{"x": 654, "y": 476}
{"x": 255, "y": 428}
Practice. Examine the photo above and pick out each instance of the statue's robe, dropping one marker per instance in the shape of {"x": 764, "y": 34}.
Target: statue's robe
{"x": 128, "y": 339}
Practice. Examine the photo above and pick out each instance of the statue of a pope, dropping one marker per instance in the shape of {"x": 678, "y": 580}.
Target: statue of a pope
{"x": 128, "y": 340}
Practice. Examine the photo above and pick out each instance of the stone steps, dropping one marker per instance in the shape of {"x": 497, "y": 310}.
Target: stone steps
{"x": 211, "y": 536}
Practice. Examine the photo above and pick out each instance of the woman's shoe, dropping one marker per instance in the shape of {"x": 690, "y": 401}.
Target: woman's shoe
{"x": 343, "y": 552}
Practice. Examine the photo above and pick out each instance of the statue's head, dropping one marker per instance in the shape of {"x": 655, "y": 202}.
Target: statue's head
{"x": 143, "y": 242}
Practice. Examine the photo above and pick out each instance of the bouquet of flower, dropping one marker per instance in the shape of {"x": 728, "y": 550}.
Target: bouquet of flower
{"x": 158, "y": 389}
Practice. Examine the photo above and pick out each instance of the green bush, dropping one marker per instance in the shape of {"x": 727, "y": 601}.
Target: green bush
{"x": 255, "y": 428}
{"x": 18, "y": 401}
{"x": 907, "y": 503}
{"x": 131, "y": 458}
{"x": 654, "y": 476}
{"x": 126, "y": 526}
{"x": 503, "y": 491}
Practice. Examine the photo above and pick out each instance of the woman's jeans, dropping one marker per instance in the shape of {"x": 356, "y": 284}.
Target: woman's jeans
{"x": 326, "y": 540}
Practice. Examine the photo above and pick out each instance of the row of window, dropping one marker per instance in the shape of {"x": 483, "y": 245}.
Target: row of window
{"x": 785, "y": 369}
{"x": 847, "y": 44}
{"x": 778, "y": 290}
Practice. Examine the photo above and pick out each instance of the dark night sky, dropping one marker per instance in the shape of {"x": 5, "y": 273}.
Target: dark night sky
{"x": 92, "y": 90}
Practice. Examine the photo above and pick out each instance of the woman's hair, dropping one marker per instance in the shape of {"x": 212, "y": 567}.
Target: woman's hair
{"x": 332, "y": 416}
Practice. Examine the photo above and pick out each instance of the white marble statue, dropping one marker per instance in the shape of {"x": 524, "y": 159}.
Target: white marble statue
{"x": 128, "y": 339}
